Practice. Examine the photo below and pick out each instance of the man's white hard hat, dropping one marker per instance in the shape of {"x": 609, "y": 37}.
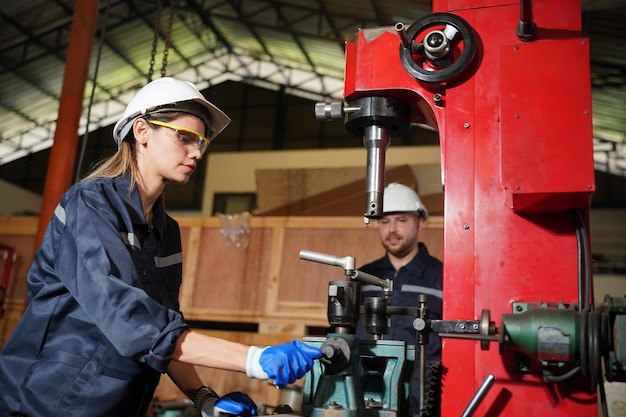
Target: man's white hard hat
{"x": 398, "y": 198}
{"x": 169, "y": 94}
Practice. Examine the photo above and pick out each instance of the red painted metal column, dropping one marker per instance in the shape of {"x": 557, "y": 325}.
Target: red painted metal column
{"x": 63, "y": 153}
{"x": 517, "y": 158}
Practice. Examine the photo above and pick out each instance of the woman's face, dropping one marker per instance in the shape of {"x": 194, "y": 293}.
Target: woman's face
{"x": 169, "y": 154}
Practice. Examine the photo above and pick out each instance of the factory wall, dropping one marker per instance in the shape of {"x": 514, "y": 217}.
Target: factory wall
{"x": 18, "y": 201}
{"x": 236, "y": 171}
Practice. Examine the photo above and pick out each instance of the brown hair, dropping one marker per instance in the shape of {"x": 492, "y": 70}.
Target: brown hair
{"x": 124, "y": 160}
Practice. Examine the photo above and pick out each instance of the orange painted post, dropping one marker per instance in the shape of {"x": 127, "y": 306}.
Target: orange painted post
{"x": 63, "y": 153}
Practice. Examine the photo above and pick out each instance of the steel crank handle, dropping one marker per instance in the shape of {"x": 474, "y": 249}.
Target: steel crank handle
{"x": 346, "y": 263}
{"x": 366, "y": 278}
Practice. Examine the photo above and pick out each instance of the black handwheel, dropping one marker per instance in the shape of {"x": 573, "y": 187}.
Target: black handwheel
{"x": 432, "y": 58}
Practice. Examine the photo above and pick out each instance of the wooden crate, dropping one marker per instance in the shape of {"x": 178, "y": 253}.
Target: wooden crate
{"x": 262, "y": 294}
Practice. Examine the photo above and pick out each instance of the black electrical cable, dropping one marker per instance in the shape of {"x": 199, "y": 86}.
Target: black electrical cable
{"x": 93, "y": 93}
{"x": 593, "y": 331}
{"x": 592, "y": 324}
{"x": 561, "y": 378}
{"x": 581, "y": 297}
{"x": 583, "y": 339}
{"x": 585, "y": 291}
{"x": 605, "y": 410}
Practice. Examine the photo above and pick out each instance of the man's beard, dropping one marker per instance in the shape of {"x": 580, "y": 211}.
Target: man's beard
{"x": 398, "y": 251}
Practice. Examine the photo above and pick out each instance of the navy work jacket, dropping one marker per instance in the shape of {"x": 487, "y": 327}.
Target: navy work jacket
{"x": 422, "y": 275}
{"x": 103, "y": 315}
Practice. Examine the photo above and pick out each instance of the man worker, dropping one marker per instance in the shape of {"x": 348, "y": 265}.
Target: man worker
{"x": 413, "y": 271}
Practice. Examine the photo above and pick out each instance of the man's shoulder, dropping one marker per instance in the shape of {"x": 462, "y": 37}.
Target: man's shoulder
{"x": 378, "y": 264}
{"x": 424, "y": 256}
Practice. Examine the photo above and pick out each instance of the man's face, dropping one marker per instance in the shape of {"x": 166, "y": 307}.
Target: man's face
{"x": 398, "y": 233}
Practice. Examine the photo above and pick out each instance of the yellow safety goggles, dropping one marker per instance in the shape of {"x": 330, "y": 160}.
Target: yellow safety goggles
{"x": 187, "y": 136}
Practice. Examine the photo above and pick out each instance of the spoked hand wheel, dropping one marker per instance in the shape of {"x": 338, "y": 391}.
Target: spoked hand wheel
{"x": 438, "y": 47}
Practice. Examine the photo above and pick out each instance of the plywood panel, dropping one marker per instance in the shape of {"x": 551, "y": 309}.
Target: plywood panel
{"x": 337, "y": 191}
{"x": 308, "y": 281}
{"x": 232, "y": 278}
{"x": 344, "y": 199}
{"x": 278, "y": 187}
{"x": 264, "y": 283}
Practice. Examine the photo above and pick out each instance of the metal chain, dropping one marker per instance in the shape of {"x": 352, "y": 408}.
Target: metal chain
{"x": 155, "y": 37}
{"x": 168, "y": 37}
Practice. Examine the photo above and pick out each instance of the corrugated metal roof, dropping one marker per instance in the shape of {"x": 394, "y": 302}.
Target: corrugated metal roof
{"x": 297, "y": 44}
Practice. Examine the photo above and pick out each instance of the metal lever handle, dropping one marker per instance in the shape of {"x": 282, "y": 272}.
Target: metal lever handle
{"x": 366, "y": 278}
{"x": 478, "y": 396}
{"x": 347, "y": 264}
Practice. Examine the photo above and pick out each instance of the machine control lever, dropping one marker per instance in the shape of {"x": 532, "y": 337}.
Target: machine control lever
{"x": 478, "y": 396}
{"x": 334, "y": 110}
{"x": 347, "y": 263}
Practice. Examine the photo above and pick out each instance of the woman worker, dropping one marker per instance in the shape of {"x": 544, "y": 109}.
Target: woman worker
{"x": 103, "y": 320}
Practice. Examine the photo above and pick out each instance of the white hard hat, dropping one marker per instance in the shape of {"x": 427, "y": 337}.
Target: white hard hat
{"x": 169, "y": 94}
{"x": 400, "y": 198}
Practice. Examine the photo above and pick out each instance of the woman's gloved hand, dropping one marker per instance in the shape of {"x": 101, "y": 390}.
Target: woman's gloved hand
{"x": 233, "y": 404}
{"x": 284, "y": 363}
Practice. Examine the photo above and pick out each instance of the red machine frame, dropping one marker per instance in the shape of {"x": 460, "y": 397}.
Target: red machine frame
{"x": 516, "y": 150}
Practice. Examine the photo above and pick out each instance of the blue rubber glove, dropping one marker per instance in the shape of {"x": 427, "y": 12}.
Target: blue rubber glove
{"x": 233, "y": 404}
{"x": 284, "y": 363}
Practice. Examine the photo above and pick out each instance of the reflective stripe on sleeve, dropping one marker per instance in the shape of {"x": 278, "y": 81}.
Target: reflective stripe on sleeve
{"x": 165, "y": 261}
{"x": 59, "y": 212}
{"x": 422, "y": 290}
{"x": 130, "y": 239}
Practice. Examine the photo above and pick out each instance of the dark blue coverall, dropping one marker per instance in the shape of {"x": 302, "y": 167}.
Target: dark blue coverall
{"x": 422, "y": 275}
{"x": 103, "y": 314}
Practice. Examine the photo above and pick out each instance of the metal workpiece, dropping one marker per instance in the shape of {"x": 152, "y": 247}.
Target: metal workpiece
{"x": 377, "y": 320}
{"x": 343, "y": 304}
